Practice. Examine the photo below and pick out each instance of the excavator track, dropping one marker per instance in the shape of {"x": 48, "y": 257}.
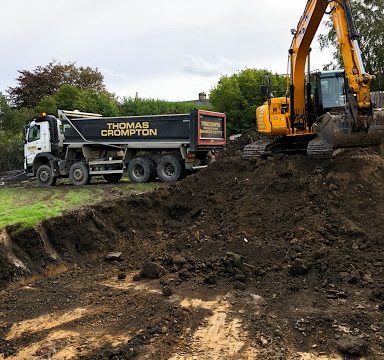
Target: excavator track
{"x": 318, "y": 149}
{"x": 257, "y": 149}
{"x": 267, "y": 147}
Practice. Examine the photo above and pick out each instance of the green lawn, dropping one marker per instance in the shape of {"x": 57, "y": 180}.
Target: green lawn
{"x": 27, "y": 206}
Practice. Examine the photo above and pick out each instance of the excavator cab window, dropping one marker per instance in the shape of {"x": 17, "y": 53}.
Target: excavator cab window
{"x": 313, "y": 81}
{"x": 332, "y": 90}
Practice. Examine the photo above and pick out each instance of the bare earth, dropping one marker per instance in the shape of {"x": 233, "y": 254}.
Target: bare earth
{"x": 268, "y": 259}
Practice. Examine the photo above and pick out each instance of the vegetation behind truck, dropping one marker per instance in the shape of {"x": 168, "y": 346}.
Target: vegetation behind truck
{"x": 81, "y": 145}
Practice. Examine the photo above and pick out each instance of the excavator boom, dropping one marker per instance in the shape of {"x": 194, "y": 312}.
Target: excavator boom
{"x": 358, "y": 81}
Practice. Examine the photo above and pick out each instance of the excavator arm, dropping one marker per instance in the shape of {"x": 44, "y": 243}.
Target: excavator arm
{"x": 358, "y": 81}
{"x": 298, "y": 54}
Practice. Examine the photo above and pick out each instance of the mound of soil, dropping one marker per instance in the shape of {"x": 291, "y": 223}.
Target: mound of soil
{"x": 301, "y": 240}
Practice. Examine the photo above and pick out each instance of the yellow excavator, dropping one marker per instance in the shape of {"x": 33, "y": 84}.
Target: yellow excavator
{"x": 324, "y": 110}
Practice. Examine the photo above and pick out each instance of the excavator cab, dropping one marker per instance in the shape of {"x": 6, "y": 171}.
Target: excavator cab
{"x": 330, "y": 91}
{"x": 327, "y": 92}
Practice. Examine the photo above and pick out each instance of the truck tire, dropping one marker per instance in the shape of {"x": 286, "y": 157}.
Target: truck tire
{"x": 170, "y": 169}
{"x": 79, "y": 174}
{"x": 140, "y": 170}
{"x": 113, "y": 178}
{"x": 44, "y": 176}
{"x": 152, "y": 165}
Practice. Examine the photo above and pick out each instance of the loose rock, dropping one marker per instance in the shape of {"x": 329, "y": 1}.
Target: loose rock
{"x": 179, "y": 260}
{"x": 299, "y": 267}
{"x": 114, "y": 256}
{"x": 352, "y": 346}
{"x": 152, "y": 270}
{"x": 210, "y": 280}
{"x": 239, "y": 286}
{"x": 121, "y": 276}
{"x": 136, "y": 277}
{"x": 167, "y": 291}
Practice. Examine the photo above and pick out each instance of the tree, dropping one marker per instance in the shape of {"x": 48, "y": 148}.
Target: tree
{"x": 70, "y": 97}
{"x": 369, "y": 19}
{"x": 239, "y": 95}
{"x": 43, "y": 81}
{"x": 137, "y": 107}
{"x": 12, "y": 123}
{"x": 11, "y": 151}
{"x": 102, "y": 103}
{"x": 12, "y": 120}
{"x": 5, "y": 113}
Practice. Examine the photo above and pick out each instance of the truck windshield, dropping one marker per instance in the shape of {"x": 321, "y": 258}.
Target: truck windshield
{"x": 34, "y": 133}
{"x": 333, "y": 92}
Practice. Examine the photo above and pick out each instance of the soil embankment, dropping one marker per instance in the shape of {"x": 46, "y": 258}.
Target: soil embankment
{"x": 269, "y": 259}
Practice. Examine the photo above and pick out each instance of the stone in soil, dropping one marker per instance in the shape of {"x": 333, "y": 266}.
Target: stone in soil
{"x": 239, "y": 286}
{"x": 152, "y": 270}
{"x": 121, "y": 276}
{"x": 136, "y": 277}
{"x": 179, "y": 260}
{"x": 113, "y": 256}
{"x": 167, "y": 291}
{"x": 299, "y": 267}
{"x": 352, "y": 346}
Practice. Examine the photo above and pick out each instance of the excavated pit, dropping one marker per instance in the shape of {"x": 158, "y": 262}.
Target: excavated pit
{"x": 289, "y": 249}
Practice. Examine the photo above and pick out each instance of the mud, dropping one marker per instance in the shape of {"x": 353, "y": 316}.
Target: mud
{"x": 269, "y": 259}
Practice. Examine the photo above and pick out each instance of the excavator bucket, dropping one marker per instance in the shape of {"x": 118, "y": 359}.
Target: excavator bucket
{"x": 335, "y": 132}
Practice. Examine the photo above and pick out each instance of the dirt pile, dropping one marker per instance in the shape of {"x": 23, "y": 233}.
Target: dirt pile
{"x": 298, "y": 243}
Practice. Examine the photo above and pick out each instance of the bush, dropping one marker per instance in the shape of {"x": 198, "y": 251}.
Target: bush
{"x": 137, "y": 107}
{"x": 11, "y": 151}
{"x": 239, "y": 95}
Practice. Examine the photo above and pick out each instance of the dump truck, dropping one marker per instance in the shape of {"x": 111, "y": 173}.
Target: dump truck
{"x": 81, "y": 145}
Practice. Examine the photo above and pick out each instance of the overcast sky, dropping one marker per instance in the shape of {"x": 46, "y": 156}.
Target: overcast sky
{"x": 166, "y": 49}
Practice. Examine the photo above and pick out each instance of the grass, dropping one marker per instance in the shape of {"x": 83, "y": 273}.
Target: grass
{"x": 27, "y": 206}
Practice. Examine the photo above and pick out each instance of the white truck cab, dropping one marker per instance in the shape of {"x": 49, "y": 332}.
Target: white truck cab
{"x": 45, "y": 135}
{"x": 43, "y": 138}
{"x": 37, "y": 141}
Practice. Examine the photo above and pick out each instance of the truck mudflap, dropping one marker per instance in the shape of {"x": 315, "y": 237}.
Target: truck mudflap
{"x": 335, "y": 131}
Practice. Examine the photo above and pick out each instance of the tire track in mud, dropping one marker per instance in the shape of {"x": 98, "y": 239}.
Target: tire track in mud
{"x": 218, "y": 337}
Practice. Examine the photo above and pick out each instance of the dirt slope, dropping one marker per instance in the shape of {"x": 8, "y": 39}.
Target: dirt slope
{"x": 269, "y": 259}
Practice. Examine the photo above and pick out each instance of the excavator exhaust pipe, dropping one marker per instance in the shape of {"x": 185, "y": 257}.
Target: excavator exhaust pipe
{"x": 334, "y": 131}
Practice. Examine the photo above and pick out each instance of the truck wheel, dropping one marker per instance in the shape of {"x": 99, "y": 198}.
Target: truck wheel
{"x": 170, "y": 169}
{"x": 113, "y": 178}
{"x": 44, "y": 176}
{"x": 79, "y": 174}
{"x": 140, "y": 170}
